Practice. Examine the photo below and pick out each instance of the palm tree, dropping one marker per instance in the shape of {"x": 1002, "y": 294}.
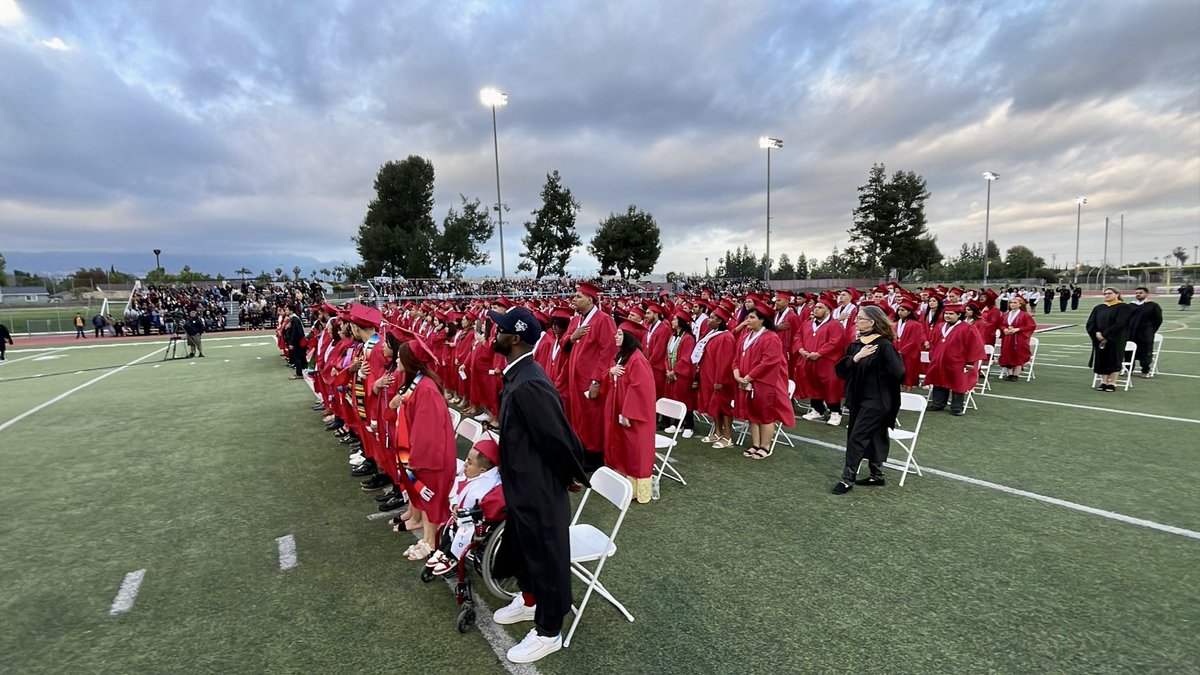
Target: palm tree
{"x": 296, "y": 272}
{"x": 243, "y": 271}
{"x": 1181, "y": 255}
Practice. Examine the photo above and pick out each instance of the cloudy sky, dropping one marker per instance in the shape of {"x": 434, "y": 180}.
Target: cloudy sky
{"x": 256, "y": 125}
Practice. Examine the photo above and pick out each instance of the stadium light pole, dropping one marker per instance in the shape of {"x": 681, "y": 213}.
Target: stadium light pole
{"x": 493, "y": 97}
{"x": 1079, "y": 202}
{"x": 987, "y": 221}
{"x": 768, "y": 143}
{"x": 157, "y": 251}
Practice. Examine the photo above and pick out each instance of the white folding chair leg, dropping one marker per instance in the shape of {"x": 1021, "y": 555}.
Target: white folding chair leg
{"x": 593, "y": 584}
{"x": 779, "y": 432}
{"x": 664, "y": 468}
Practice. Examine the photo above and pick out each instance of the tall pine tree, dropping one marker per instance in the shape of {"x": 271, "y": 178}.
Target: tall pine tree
{"x": 398, "y": 233}
{"x": 551, "y": 237}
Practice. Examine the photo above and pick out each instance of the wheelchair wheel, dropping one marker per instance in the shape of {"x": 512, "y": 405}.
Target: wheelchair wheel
{"x": 466, "y": 619}
{"x": 505, "y": 589}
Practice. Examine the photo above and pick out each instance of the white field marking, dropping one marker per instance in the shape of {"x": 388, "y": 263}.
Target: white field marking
{"x": 129, "y": 343}
{"x": 1089, "y": 407}
{"x": 49, "y": 357}
{"x": 25, "y": 358}
{"x": 67, "y": 393}
{"x": 1111, "y": 515}
{"x": 254, "y": 344}
{"x": 226, "y": 360}
{"x": 127, "y": 593}
{"x": 380, "y": 515}
{"x": 287, "y": 552}
{"x": 158, "y": 365}
{"x": 259, "y": 358}
{"x": 1171, "y": 351}
{"x": 1060, "y": 365}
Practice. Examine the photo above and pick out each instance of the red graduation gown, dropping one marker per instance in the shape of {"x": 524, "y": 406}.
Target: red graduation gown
{"x": 1014, "y": 348}
{"x": 818, "y": 378}
{"x": 910, "y": 343}
{"x": 949, "y": 353}
{"x": 716, "y": 367}
{"x": 630, "y": 450}
{"x": 591, "y": 357}
{"x": 787, "y": 334}
{"x": 432, "y": 452}
{"x": 684, "y": 370}
{"x": 762, "y": 361}
{"x": 656, "y": 355}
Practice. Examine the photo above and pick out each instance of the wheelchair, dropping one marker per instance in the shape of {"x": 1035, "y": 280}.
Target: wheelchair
{"x": 480, "y": 555}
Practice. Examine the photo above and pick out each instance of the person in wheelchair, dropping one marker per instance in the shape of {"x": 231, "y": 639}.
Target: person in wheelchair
{"x": 476, "y": 489}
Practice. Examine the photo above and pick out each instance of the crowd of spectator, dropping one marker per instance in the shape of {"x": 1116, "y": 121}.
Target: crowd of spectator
{"x": 258, "y": 306}
{"x": 719, "y": 286}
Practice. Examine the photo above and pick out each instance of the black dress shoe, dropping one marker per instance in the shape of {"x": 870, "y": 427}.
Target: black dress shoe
{"x": 335, "y": 425}
{"x": 392, "y": 504}
{"x": 318, "y": 406}
{"x": 841, "y": 488}
{"x": 873, "y": 480}
{"x": 935, "y": 408}
{"x": 375, "y": 483}
{"x": 383, "y": 497}
{"x": 958, "y": 413}
{"x": 365, "y": 469}
{"x": 347, "y": 439}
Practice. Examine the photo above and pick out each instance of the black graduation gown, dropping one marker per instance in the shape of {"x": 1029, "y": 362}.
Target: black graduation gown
{"x": 1112, "y": 321}
{"x": 540, "y": 456}
{"x": 873, "y": 397}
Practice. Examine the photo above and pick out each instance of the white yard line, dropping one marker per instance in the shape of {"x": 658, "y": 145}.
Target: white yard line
{"x": 128, "y": 592}
{"x": 24, "y": 358}
{"x": 287, "y": 552}
{"x": 67, "y": 393}
{"x": 1113, "y": 411}
{"x": 1111, "y": 515}
{"x": 1062, "y": 365}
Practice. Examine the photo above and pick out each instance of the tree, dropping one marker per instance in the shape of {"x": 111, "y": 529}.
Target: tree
{"x": 802, "y": 267}
{"x": 889, "y": 222}
{"x": 296, "y": 272}
{"x": 325, "y": 273}
{"x": 1180, "y": 253}
{"x": 1021, "y": 262}
{"x": 628, "y": 243}
{"x": 3, "y": 271}
{"x": 278, "y": 272}
{"x": 785, "y": 271}
{"x": 462, "y": 239}
{"x": 738, "y": 263}
{"x": 243, "y": 272}
{"x": 397, "y": 234}
{"x": 550, "y": 239}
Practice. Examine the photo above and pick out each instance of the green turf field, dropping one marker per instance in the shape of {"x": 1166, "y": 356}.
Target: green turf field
{"x": 61, "y": 318}
{"x": 191, "y": 469}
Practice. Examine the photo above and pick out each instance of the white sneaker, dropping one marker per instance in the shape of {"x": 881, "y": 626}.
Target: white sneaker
{"x": 482, "y": 417}
{"x": 515, "y": 612}
{"x": 812, "y": 416}
{"x": 834, "y": 419}
{"x": 534, "y": 647}
{"x": 670, "y": 430}
{"x": 688, "y": 433}
{"x": 357, "y": 458}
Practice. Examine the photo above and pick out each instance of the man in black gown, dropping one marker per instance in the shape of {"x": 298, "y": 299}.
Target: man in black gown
{"x": 540, "y": 461}
{"x": 1144, "y": 321}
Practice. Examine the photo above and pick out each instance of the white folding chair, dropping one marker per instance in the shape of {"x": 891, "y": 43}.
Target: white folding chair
{"x": 589, "y": 544}
{"x": 1125, "y": 377}
{"x": 908, "y": 439}
{"x": 1033, "y": 347}
{"x": 676, "y": 410}
{"x": 1158, "y": 341}
{"x": 455, "y": 418}
{"x": 469, "y": 429}
{"x": 779, "y": 425}
{"x": 985, "y": 372}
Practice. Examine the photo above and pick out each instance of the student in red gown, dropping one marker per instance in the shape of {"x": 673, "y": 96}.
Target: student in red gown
{"x": 560, "y": 318}
{"x": 954, "y": 354}
{"x": 629, "y": 411}
{"x": 590, "y": 341}
{"x": 432, "y": 455}
{"x": 819, "y": 346}
{"x": 655, "y": 345}
{"x": 717, "y": 386}
{"x": 762, "y": 396}
{"x": 912, "y": 338}
{"x": 1016, "y": 328}
{"x": 681, "y": 372}
{"x": 785, "y": 324}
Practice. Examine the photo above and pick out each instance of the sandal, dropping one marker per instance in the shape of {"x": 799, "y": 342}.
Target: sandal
{"x": 763, "y": 453}
{"x": 420, "y": 551}
{"x": 751, "y": 452}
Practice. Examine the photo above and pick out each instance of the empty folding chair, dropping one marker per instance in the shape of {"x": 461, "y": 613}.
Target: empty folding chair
{"x": 455, "y": 418}
{"x": 469, "y": 429}
{"x": 1033, "y": 347}
{"x": 675, "y": 410}
{"x": 908, "y": 439}
{"x": 590, "y": 544}
{"x": 985, "y": 372}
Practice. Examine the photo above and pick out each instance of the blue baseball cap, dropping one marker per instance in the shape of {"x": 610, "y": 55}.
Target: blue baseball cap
{"x": 518, "y": 321}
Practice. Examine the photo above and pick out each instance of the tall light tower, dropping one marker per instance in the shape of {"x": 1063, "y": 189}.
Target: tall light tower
{"x": 1079, "y": 202}
{"x": 987, "y": 221}
{"x": 157, "y": 251}
{"x": 769, "y": 143}
{"x": 493, "y": 97}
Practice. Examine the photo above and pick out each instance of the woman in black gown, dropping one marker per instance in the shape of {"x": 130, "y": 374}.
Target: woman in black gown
{"x": 873, "y": 371}
{"x": 1108, "y": 327}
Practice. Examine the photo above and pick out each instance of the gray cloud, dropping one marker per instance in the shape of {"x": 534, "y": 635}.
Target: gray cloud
{"x": 205, "y": 124}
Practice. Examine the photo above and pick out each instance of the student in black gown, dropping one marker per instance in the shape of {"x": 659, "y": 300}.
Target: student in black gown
{"x": 873, "y": 371}
{"x": 1108, "y": 327}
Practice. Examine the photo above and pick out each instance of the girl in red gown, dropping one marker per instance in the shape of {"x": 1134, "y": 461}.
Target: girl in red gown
{"x": 432, "y": 455}
{"x": 717, "y": 386}
{"x": 681, "y": 372}
{"x": 912, "y": 338}
{"x": 1016, "y": 328}
{"x": 629, "y": 411}
{"x": 762, "y": 396}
